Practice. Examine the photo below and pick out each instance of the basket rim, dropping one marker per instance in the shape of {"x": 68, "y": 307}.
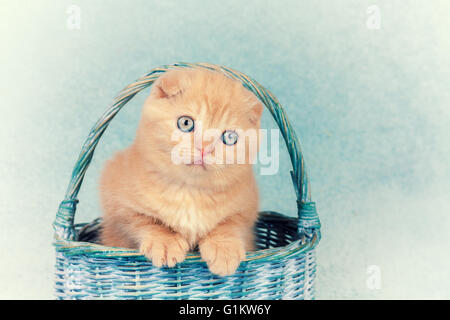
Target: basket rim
{"x": 74, "y": 247}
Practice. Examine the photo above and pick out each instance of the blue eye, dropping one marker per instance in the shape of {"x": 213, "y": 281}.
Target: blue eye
{"x": 229, "y": 137}
{"x": 185, "y": 123}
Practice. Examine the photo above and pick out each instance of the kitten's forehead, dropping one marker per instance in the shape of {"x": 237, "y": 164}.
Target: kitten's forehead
{"x": 208, "y": 96}
{"x": 217, "y": 100}
{"x": 215, "y": 115}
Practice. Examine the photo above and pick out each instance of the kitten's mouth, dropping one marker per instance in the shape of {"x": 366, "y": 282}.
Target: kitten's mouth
{"x": 197, "y": 165}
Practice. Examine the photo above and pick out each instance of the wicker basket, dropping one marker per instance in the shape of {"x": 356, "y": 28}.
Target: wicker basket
{"x": 282, "y": 267}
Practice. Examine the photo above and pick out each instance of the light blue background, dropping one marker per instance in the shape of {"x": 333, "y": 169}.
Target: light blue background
{"x": 371, "y": 108}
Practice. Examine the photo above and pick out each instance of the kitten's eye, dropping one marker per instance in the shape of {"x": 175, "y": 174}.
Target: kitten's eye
{"x": 185, "y": 124}
{"x": 229, "y": 137}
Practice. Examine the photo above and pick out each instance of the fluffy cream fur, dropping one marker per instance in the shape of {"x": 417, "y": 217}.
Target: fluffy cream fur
{"x": 165, "y": 209}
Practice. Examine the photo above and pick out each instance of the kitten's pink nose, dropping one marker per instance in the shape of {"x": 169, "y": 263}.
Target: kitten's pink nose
{"x": 204, "y": 151}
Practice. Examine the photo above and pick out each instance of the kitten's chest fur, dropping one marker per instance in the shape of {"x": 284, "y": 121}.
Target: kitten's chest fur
{"x": 187, "y": 210}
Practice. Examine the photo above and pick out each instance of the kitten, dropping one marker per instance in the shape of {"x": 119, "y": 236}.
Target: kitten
{"x": 164, "y": 208}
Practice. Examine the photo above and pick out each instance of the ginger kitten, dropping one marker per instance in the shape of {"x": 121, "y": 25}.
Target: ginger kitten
{"x": 164, "y": 207}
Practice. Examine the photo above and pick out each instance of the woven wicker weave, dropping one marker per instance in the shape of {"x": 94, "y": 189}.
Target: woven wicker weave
{"x": 282, "y": 267}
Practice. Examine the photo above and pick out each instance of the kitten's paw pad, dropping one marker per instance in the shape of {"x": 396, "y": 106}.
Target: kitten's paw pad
{"x": 222, "y": 257}
{"x": 165, "y": 251}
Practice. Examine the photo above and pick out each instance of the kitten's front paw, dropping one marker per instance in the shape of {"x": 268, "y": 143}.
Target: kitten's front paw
{"x": 166, "y": 250}
{"x": 223, "y": 256}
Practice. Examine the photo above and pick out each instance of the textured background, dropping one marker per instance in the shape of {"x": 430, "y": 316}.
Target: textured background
{"x": 371, "y": 107}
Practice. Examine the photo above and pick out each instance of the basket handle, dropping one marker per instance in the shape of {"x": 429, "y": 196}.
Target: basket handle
{"x": 308, "y": 222}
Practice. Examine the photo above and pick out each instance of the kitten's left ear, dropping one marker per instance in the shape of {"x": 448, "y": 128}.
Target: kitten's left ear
{"x": 168, "y": 85}
{"x": 255, "y": 113}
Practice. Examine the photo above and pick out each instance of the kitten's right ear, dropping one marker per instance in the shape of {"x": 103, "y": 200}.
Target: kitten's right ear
{"x": 168, "y": 85}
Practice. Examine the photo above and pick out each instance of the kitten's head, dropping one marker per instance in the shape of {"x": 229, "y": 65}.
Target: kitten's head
{"x": 199, "y": 125}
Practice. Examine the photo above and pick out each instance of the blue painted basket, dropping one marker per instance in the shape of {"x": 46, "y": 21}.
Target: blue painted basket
{"x": 282, "y": 267}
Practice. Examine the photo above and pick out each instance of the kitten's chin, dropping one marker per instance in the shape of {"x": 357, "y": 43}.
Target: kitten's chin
{"x": 197, "y": 166}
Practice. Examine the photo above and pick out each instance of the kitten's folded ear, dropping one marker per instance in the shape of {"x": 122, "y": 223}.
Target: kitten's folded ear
{"x": 169, "y": 84}
{"x": 256, "y": 111}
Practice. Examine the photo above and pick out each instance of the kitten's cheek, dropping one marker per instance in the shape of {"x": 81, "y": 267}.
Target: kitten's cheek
{"x": 209, "y": 160}
{"x": 252, "y": 156}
